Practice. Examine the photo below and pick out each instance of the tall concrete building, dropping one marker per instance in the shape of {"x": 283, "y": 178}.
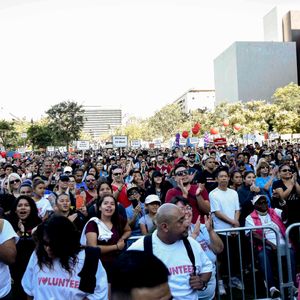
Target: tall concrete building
{"x": 99, "y": 120}
{"x": 291, "y": 33}
{"x": 254, "y": 70}
{"x": 196, "y": 99}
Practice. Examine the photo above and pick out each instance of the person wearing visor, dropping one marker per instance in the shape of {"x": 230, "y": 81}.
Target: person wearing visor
{"x": 146, "y": 222}
{"x": 275, "y": 218}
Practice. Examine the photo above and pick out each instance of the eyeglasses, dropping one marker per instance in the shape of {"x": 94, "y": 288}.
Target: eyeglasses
{"x": 133, "y": 193}
{"x": 285, "y": 170}
{"x": 90, "y": 180}
{"x": 182, "y": 173}
{"x": 264, "y": 167}
{"x": 117, "y": 174}
{"x": 14, "y": 181}
{"x": 188, "y": 208}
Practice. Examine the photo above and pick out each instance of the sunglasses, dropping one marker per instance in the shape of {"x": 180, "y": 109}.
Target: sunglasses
{"x": 182, "y": 173}
{"x": 117, "y": 174}
{"x": 91, "y": 180}
{"x": 133, "y": 193}
{"x": 286, "y": 170}
{"x": 14, "y": 181}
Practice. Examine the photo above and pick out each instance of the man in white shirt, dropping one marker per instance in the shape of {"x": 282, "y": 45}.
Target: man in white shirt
{"x": 8, "y": 252}
{"x": 225, "y": 208}
{"x": 168, "y": 246}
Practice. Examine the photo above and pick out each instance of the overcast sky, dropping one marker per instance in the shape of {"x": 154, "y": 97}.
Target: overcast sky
{"x": 136, "y": 55}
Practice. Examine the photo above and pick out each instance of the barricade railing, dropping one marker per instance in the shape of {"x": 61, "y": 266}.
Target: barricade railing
{"x": 242, "y": 237}
{"x": 288, "y": 243}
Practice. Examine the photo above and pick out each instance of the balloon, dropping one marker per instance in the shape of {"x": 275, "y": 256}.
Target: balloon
{"x": 226, "y": 122}
{"x": 197, "y": 125}
{"x": 185, "y": 134}
{"x": 177, "y": 136}
{"x": 237, "y": 126}
{"x": 17, "y": 155}
{"x": 214, "y": 130}
{"x": 195, "y": 130}
{"x": 3, "y": 154}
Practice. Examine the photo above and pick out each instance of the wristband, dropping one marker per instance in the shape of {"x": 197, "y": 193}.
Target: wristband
{"x": 204, "y": 286}
{"x": 117, "y": 247}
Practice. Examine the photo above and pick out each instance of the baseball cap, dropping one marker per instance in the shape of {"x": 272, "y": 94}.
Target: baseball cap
{"x": 256, "y": 198}
{"x": 68, "y": 169}
{"x": 64, "y": 177}
{"x": 152, "y": 198}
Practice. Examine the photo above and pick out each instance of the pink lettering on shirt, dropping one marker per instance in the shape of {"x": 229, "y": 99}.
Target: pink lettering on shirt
{"x": 60, "y": 282}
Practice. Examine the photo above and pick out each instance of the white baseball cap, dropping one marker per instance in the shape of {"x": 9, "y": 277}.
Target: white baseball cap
{"x": 152, "y": 198}
{"x": 256, "y": 198}
{"x": 68, "y": 169}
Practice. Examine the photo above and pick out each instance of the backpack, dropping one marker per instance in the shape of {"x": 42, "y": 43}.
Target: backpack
{"x": 148, "y": 247}
{"x": 88, "y": 272}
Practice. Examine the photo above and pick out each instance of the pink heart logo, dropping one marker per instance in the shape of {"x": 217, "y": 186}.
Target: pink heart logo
{"x": 44, "y": 280}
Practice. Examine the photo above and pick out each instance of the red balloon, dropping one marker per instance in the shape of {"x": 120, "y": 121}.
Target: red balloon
{"x": 3, "y": 154}
{"x": 195, "y": 130}
{"x": 17, "y": 155}
{"x": 237, "y": 126}
{"x": 226, "y": 122}
{"x": 185, "y": 134}
{"x": 214, "y": 130}
{"x": 197, "y": 125}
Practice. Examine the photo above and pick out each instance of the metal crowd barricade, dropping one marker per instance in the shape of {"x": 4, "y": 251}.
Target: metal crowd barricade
{"x": 242, "y": 294}
{"x": 240, "y": 257}
{"x": 290, "y": 283}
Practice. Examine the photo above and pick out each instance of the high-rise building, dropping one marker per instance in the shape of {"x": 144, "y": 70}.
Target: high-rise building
{"x": 254, "y": 70}
{"x": 291, "y": 33}
{"x": 196, "y": 99}
{"x": 99, "y": 120}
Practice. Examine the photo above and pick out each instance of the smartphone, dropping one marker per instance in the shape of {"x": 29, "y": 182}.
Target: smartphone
{"x": 79, "y": 201}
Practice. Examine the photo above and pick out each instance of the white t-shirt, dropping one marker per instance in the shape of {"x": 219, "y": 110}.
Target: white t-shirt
{"x": 58, "y": 284}
{"x": 227, "y": 202}
{"x": 176, "y": 259}
{"x": 266, "y": 220}
{"x": 43, "y": 206}
{"x": 6, "y": 234}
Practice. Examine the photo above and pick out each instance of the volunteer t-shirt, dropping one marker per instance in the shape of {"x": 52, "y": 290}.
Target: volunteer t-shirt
{"x": 57, "y": 284}
{"x": 6, "y": 234}
{"x": 204, "y": 240}
{"x": 179, "y": 265}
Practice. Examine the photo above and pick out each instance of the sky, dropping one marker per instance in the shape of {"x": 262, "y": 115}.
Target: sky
{"x": 137, "y": 55}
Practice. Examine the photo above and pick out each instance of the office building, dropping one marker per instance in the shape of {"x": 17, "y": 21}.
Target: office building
{"x": 196, "y": 99}
{"x": 99, "y": 120}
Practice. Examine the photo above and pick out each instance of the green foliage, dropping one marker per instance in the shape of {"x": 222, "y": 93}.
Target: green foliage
{"x": 65, "y": 121}
{"x": 40, "y": 136}
{"x": 8, "y": 134}
{"x": 165, "y": 122}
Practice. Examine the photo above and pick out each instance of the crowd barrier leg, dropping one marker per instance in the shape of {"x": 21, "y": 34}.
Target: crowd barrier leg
{"x": 290, "y": 284}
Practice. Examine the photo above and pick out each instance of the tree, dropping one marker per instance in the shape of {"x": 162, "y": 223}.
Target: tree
{"x": 66, "y": 121}
{"x": 165, "y": 122}
{"x": 288, "y": 100}
{"x": 8, "y": 134}
{"x": 40, "y": 136}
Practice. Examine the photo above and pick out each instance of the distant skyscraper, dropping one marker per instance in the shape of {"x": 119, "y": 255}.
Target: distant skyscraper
{"x": 291, "y": 33}
{"x": 99, "y": 120}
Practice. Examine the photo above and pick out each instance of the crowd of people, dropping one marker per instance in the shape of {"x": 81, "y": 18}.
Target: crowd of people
{"x": 70, "y": 221}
